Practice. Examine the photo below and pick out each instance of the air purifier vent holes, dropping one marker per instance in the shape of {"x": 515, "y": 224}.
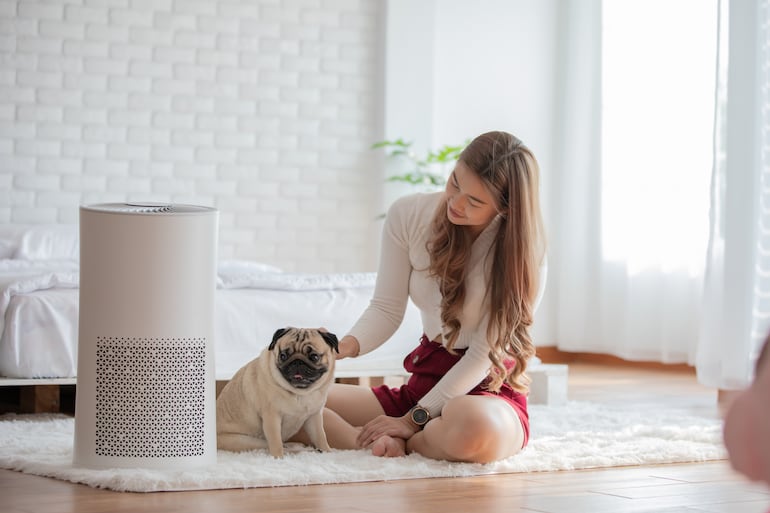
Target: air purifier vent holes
{"x": 150, "y": 397}
{"x": 144, "y": 208}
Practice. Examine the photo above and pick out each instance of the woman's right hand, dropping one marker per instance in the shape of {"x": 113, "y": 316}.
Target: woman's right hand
{"x": 383, "y": 425}
{"x": 348, "y": 347}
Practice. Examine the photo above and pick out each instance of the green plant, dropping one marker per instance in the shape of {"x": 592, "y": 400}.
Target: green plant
{"x": 428, "y": 170}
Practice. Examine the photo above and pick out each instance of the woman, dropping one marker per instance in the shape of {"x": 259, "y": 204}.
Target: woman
{"x": 470, "y": 259}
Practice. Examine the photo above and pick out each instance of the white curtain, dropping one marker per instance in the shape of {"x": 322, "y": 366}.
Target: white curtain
{"x": 662, "y": 246}
{"x": 634, "y": 177}
{"x": 737, "y": 287}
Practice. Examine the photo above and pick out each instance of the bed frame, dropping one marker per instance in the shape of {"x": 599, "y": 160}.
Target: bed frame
{"x": 56, "y": 395}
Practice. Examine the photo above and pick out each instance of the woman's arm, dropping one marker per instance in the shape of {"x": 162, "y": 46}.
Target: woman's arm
{"x": 463, "y": 377}
{"x": 391, "y": 291}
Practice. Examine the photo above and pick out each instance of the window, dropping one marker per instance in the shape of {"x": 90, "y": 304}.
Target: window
{"x": 658, "y": 86}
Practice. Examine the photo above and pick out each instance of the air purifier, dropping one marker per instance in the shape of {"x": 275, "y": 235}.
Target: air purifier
{"x": 145, "y": 378}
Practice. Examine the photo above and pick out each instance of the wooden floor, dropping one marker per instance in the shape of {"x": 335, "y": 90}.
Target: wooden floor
{"x": 705, "y": 487}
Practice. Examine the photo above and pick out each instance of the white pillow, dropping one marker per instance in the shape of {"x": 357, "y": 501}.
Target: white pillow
{"x": 7, "y": 249}
{"x": 245, "y": 266}
{"x": 49, "y": 242}
{"x": 10, "y": 235}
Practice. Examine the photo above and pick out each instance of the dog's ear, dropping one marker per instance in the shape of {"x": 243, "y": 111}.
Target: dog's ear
{"x": 330, "y": 339}
{"x": 278, "y": 334}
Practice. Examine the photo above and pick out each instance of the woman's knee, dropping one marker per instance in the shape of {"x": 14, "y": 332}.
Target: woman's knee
{"x": 481, "y": 429}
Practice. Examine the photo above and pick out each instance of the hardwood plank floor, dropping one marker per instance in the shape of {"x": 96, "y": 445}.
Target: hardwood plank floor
{"x": 705, "y": 487}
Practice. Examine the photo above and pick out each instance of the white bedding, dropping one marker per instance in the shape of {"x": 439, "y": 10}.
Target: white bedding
{"x": 39, "y": 316}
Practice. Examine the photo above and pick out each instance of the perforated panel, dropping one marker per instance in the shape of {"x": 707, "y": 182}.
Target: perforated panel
{"x": 150, "y": 395}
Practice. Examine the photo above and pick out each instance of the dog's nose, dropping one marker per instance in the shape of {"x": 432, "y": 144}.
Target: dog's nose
{"x": 302, "y": 368}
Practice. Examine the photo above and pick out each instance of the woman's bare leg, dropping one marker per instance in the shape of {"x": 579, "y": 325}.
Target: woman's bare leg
{"x": 472, "y": 428}
{"x": 347, "y": 408}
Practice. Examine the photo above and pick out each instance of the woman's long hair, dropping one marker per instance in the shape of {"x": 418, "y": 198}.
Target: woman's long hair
{"x": 511, "y": 174}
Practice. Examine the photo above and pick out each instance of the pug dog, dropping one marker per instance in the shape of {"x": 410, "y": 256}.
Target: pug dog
{"x": 281, "y": 391}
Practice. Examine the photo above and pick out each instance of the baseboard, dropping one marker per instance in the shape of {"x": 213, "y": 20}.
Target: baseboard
{"x": 552, "y": 354}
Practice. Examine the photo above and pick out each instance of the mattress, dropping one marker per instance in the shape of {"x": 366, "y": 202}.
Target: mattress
{"x": 39, "y": 279}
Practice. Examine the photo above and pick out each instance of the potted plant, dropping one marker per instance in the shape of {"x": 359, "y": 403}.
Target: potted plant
{"x": 429, "y": 171}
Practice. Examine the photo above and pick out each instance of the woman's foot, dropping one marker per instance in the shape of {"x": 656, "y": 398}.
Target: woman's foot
{"x": 389, "y": 447}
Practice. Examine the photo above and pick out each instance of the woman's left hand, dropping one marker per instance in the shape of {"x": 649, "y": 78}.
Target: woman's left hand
{"x": 401, "y": 427}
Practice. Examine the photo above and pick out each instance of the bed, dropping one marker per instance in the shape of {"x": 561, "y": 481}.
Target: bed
{"x": 39, "y": 279}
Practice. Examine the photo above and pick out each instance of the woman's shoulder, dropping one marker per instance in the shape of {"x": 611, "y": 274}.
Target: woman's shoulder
{"x": 416, "y": 204}
{"x": 409, "y": 217}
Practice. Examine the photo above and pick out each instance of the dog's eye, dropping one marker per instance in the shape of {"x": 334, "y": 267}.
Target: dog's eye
{"x": 314, "y": 357}
{"x": 283, "y": 356}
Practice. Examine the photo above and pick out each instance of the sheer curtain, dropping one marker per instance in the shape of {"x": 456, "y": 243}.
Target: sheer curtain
{"x": 662, "y": 246}
{"x": 736, "y": 303}
{"x": 634, "y": 177}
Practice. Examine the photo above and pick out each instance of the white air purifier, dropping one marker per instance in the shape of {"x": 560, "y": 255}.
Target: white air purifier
{"x": 146, "y": 383}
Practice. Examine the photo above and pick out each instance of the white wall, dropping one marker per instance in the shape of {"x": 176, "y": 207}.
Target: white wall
{"x": 455, "y": 69}
{"x": 495, "y": 70}
{"x": 265, "y": 109}
{"x": 409, "y": 85}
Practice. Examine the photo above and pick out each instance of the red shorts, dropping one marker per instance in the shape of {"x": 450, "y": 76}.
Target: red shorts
{"x": 427, "y": 364}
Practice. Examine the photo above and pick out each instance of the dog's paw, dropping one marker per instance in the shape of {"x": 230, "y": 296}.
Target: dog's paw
{"x": 297, "y": 447}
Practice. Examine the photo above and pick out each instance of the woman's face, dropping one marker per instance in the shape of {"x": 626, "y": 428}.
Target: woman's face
{"x": 469, "y": 202}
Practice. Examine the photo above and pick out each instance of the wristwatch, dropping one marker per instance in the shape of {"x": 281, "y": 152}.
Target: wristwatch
{"x": 419, "y": 415}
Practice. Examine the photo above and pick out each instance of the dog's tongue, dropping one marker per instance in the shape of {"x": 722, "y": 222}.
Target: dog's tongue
{"x": 298, "y": 376}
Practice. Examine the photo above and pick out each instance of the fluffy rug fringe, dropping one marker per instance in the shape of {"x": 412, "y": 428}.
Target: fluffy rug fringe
{"x": 579, "y": 435}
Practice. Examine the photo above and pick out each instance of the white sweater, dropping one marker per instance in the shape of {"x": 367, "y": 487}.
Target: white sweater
{"x": 403, "y": 273}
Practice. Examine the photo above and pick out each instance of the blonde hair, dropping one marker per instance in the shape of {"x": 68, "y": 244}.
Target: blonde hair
{"x": 510, "y": 172}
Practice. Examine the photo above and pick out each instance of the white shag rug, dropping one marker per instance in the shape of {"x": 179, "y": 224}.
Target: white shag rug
{"x": 579, "y": 435}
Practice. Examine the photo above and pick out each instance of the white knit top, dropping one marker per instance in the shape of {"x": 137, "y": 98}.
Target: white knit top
{"x": 403, "y": 273}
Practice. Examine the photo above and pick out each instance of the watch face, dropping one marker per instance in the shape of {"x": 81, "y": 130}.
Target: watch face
{"x": 420, "y": 416}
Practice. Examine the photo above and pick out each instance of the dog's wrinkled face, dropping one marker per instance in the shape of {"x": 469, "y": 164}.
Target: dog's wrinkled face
{"x": 303, "y": 356}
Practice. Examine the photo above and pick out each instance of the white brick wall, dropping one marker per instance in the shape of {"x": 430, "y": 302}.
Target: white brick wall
{"x": 264, "y": 109}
